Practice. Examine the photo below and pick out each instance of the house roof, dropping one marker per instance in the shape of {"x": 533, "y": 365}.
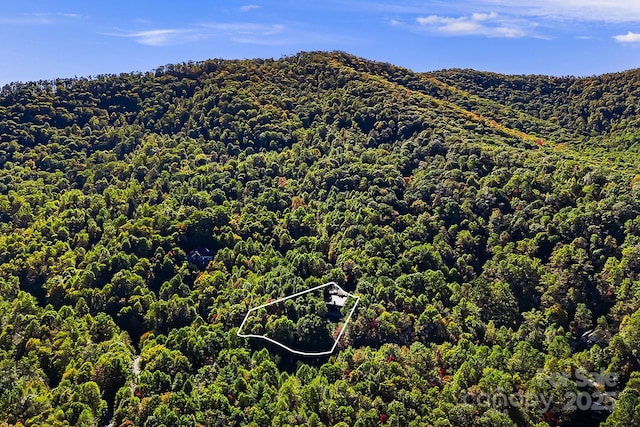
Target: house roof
{"x": 337, "y": 300}
{"x": 201, "y": 252}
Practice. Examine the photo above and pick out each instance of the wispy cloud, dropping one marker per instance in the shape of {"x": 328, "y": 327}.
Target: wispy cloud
{"x": 612, "y": 11}
{"x": 485, "y": 24}
{"x": 243, "y": 32}
{"x": 161, "y": 37}
{"x": 260, "y": 41}
{"x": 38, "y": 18}
{"x": 509, "y": 18}
{"x": 25, "y": 20}
{"x": 249, "y": 7}
{"x": 628, "y": 38}
{"x": 59, "y": 14}
{"x": 250, "y": 33}
{"x": 245, "y": 28}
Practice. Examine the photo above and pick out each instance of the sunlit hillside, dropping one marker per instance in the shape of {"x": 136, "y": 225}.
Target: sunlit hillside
{"x": 489, "y": 225}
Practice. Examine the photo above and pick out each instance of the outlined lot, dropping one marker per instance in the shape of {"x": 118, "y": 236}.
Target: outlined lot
{"x": 338, "y": 297}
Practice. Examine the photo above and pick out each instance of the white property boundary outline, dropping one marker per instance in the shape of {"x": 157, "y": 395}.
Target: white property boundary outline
{"x": 301, "y": 353}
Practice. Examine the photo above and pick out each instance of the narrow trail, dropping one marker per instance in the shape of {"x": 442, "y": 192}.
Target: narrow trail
{"x": 136, "y": 373}
{"x": 135, "y": 370}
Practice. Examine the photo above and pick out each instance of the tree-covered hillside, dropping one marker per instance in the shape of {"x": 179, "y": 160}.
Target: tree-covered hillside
{"x": 489, "y": 224}
{"x": 588, "y": 107}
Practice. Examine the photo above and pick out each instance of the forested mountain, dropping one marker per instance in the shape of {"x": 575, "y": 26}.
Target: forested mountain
{"x": 587, "y": 107}
{"x": 489, "y": 224}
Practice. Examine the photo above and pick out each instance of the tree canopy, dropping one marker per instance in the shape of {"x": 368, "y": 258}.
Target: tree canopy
{"x": 489, "y": 224}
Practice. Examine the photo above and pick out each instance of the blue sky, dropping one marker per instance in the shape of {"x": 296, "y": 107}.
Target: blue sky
{"x": 46, "y": 39}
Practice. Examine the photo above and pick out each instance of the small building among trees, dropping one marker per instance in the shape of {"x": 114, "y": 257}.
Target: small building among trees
{"x": 337, "y": 299}
{"x": 200, "y": 257}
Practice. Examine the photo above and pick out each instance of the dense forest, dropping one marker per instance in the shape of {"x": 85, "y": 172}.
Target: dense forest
{"x": 489, "y": 225}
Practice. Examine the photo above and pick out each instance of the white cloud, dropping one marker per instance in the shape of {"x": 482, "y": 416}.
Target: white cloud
{"x": 26, "y": 20}
{"x": 249, "y": 33}
{"x": 578, "y": 10}
{"x": 249, "y": 7}
{"x": 483, "y": 16}
{"x": 434, "y": 19}
{"x": 161, "y": 37}
{"x": 59, "y": 14}
{"x": 485, "y": 24}
{"x": 628, "y": 38}
{"x": 542, "y": 19}
{"x": 38, "y": 18}
{"x": 545, "y": 12}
